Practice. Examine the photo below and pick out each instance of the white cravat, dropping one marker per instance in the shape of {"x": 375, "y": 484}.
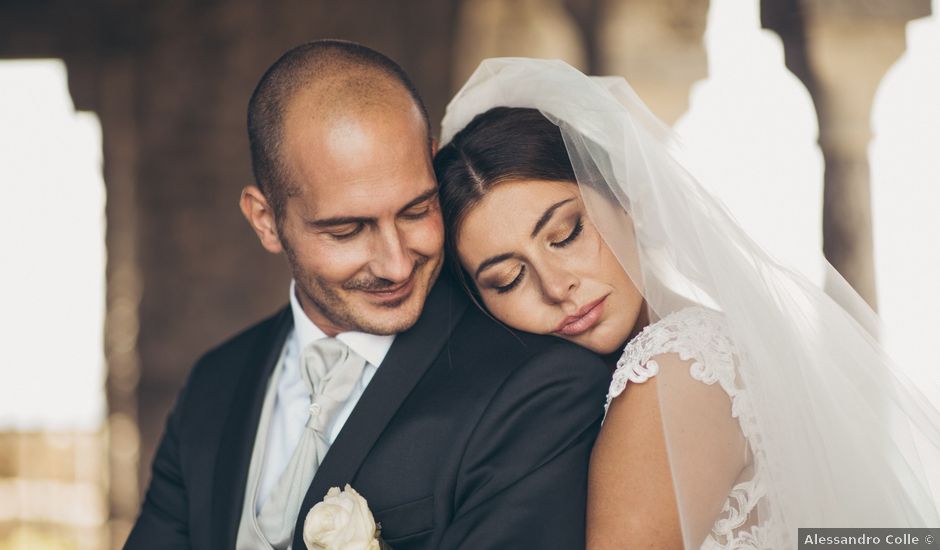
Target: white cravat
{"x": 292, "y": 401}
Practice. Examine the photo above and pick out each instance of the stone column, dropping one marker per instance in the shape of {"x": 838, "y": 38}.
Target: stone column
{"x": 526, "y": 28}
{"x": 849, "y": 47}
{"x": 905, "y": 171}
{"x": 657, "y": 45}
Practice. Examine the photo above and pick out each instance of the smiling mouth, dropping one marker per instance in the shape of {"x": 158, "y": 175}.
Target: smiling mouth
{"x": 393, "y": 294}
{"x": 582, "y": 321}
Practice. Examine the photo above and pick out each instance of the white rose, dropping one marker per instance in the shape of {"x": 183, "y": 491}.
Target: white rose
{"x": 341, "y": 521}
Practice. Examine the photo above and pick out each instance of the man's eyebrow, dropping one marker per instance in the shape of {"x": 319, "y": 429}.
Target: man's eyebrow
{"x": 430, "y": 193}
{"x": 489, "y": 262}
{"x": 347, "y": 220}
{"x": 549, "y": 212}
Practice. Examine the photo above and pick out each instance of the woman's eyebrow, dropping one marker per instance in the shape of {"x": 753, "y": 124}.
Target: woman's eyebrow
{"x": 547, "y": 216}
{"x": 539, "y": 225}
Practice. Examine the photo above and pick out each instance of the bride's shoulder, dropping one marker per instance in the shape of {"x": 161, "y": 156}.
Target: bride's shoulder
{"x": 696, "y": 337}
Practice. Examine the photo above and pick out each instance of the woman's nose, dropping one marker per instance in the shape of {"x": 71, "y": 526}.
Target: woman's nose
{"x": 558, "y": 284}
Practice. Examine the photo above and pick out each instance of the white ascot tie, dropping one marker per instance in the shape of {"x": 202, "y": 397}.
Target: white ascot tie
{"x": 331, "y": 371}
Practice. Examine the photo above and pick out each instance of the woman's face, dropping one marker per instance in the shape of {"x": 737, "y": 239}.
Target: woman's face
{"x": 541, "y": 266}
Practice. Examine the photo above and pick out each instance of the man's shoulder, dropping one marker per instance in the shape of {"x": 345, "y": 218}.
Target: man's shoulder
{"x": 488, "y": 345}
{"x": 237, "y": 349}
{"x": 247, "y": 338}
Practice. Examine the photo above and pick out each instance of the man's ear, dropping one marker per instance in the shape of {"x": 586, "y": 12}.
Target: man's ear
{"x": 260, "y": 216}
{"x": 434, "y": 145}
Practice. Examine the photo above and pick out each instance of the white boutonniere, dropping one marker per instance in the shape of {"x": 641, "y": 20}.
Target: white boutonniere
{"x": 342, "y": 521}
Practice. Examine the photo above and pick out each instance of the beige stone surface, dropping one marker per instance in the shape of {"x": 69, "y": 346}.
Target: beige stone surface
{"x": 523, "y": 28}
{"x": 657, "y": 46}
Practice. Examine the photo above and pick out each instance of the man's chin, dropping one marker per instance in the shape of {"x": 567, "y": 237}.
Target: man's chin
{"x": 391, "y": 316}
{"x": 387, "y": 318}
{"x": 389, "y": 325}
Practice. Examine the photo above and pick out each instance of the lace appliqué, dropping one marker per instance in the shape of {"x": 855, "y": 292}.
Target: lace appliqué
{"x": 695, "y": 333}
{"x": 699, "y": 336}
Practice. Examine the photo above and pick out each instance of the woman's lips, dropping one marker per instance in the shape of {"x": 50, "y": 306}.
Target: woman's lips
{"x": 583, "y": 320}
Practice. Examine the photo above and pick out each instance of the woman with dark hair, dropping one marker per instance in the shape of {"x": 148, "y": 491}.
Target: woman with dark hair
{"x": 745, "y": 402}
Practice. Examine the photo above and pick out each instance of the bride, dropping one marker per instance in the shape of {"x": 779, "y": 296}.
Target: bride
{"x": 745, "y": 402}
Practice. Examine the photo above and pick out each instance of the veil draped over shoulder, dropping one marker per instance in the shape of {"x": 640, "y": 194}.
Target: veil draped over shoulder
{"x": 843, "y": 432}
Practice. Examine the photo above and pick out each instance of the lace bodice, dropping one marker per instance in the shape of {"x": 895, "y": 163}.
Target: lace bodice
{"x": 700, "y": 338}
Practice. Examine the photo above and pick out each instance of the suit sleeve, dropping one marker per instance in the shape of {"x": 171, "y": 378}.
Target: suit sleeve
{"x": 523, "y": 477}
{"x": 164, "y": 517}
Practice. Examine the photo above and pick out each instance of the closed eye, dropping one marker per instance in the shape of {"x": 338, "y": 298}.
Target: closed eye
{"x": 575, "y": 232}
{"x": 343, "y": 235}
{"x": 513, "y": 284}
{"x": 417, "y": 213}
{"x": 420, "y": 206}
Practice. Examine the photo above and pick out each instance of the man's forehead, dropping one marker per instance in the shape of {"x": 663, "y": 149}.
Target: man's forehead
{"x": 357, "y": 156}
{"x": 366, "y": 199}
{"x": 339, "y": 141}
{"x": 364, "y": 164}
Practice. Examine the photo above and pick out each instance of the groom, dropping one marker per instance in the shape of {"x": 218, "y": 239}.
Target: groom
{"x": 379, "y": 373}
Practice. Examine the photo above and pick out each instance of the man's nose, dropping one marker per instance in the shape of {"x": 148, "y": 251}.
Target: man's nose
{"x": 392, "y": 261}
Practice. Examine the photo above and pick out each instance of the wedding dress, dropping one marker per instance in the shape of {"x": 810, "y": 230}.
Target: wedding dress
{"x": 836, "y": 433}
{"x": 700, "y": 338}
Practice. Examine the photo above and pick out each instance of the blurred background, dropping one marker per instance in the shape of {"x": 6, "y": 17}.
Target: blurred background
{"x": 123, "y": 151}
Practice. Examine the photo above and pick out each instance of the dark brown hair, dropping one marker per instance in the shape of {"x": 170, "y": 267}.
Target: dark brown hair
{"x": 500, "y": 145}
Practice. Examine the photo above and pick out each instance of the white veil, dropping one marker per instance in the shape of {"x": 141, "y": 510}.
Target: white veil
{"x": 843, "y": 432}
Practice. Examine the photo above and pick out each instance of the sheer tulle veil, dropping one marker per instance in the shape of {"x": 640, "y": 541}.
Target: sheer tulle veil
{"x": 843, "y": 432}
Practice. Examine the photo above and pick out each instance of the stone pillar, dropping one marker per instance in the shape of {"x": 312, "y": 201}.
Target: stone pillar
{"x": 849, "y": 47}
{"x": 588, "y": 16}
{"x": 526, "y": 28}
{"x": 116, "y": 107}
{"x": 750, "y": 136}
{"x": 657, "y": 45}
{"x": 72, "y": 466}
{"x": 905, "y": 171}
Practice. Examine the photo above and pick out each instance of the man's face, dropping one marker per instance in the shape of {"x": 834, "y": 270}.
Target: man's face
{"x": 363, "y": 234}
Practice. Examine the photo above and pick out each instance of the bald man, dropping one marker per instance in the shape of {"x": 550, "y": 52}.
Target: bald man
{"x": 378, "y": 373}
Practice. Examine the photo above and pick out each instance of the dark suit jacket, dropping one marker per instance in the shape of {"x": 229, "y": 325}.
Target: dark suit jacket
{"x": 469, "y": 436}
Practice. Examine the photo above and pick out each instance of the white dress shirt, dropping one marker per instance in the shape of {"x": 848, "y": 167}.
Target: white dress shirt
{"x": 292, "y": 398}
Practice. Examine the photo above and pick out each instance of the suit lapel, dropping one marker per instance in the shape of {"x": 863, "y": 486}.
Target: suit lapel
{"x": 409, "y": 357}
{"x": 241, "y": 426}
